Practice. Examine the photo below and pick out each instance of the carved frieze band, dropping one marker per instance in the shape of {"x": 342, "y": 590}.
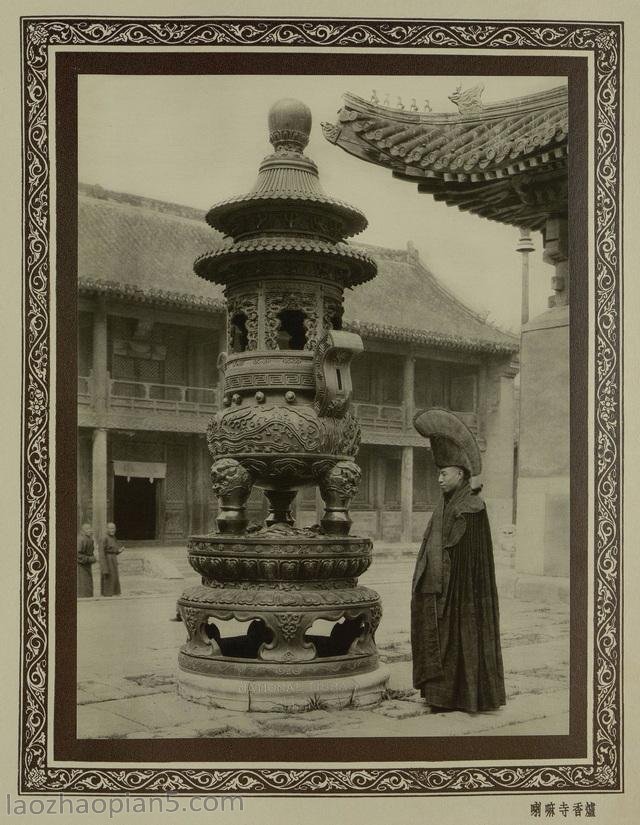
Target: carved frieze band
{"x": 274, "y": 569}
{"x": 249, "y": 380}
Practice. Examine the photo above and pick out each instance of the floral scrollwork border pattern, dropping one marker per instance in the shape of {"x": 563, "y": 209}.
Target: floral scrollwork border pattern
{"x": 604, "y": 41}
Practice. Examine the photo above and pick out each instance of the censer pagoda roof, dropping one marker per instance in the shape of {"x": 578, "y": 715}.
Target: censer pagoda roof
{"x": 287, "y": 176}
{"x": 362, "y": 267}
{"x": 286, "y": 214}
{"x": 279, "y": 186}
{"x": 484, "y": 158}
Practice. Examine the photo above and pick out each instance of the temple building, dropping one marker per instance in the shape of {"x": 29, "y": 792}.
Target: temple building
{"x": 505, "y": 162}
{"x": 150, "y": 333}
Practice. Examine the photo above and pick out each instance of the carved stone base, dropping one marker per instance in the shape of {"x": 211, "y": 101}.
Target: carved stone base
{"x": 280, "y": 607}
{"x": 285, "y": 695}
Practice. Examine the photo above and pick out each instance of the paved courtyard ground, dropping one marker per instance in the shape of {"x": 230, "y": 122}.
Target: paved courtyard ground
{"x": 127, "y": 651}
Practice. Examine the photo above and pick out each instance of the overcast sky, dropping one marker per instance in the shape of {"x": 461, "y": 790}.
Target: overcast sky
{"x": 195, "y": 140}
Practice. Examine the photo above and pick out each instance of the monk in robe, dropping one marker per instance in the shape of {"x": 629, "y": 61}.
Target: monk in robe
{"x": 110, "y": 549}
{"x": 455, "y": 622}
{"x": 86, "y": 558}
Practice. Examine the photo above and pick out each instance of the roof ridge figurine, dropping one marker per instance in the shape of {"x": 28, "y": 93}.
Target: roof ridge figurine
{"x": 468, "y": 101}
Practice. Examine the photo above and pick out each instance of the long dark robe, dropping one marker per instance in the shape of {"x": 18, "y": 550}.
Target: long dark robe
{"x": 455, "y": 620}
{"x": 109, "y": 580}
{"x": 85, "y": 560}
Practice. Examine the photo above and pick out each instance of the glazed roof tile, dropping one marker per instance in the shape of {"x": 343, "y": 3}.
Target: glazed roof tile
{"x": 481, "y": 143}
{"x": 453, "y": 152}
{"x": 139, "y": 250}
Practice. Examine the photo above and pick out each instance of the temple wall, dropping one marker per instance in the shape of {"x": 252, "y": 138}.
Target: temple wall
{"x": 543, "y": 480}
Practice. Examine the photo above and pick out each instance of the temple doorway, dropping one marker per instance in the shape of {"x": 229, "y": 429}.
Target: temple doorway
{"x": 135, "y": 508}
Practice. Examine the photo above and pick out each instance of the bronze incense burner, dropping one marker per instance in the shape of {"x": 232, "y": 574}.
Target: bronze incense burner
{"x": 286, "y": 423}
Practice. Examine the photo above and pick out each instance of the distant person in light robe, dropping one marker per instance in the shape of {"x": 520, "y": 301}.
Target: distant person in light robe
{"x": 86, "y": 558}
{"x": 110, "y": 549}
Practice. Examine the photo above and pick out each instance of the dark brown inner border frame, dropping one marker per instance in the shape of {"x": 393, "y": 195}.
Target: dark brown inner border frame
{"x": 358, "y": 750}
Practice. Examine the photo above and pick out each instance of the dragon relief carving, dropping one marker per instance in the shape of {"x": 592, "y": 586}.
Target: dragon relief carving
{"x": 275, "y": 429}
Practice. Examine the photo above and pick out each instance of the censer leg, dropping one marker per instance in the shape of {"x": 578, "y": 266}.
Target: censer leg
{"x": 280, "y": 506}
{"x": 337, "y": 487}
{"x": 232, "y": 484}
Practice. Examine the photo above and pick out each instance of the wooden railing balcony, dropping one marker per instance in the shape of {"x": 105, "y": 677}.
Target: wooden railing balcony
{"x": 173, "y": 398}
{"x": 391, "y": 417}
{"x": 176, "y": 398}
{"x": 387, "y": 417}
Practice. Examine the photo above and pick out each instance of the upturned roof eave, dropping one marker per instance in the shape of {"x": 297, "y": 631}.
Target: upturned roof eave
{"x": 538, "y": 158}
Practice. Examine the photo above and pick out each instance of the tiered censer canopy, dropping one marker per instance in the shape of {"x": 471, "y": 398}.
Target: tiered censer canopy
{"x": 286, "y": 423}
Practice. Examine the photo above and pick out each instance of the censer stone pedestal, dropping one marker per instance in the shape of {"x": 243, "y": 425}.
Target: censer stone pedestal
{"x": 286, "y": 424}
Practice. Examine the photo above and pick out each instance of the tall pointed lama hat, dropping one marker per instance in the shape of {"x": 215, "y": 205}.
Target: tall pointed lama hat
{"x": 452, "y": 442}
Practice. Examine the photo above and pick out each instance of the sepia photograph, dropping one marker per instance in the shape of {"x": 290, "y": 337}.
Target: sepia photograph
{"x": 329, "y": 414}
{"x": 302, "y": 382}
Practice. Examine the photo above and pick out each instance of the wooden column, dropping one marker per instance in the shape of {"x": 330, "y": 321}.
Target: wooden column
{"x": 99, "y": 441}
{"x": 379, "y": 465}
{"x": 406, "y": 495}
{"x": 408, "y": 389}
{"x": 99, "y": 366}
{"x": 525, "y": 247}
{"x": 99, "y": 482}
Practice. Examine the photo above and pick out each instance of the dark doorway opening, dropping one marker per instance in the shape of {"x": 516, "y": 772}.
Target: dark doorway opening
{"x": 292, "y": 334}
{"x": 239, "y": 332}
{"x": 134, "y": 508}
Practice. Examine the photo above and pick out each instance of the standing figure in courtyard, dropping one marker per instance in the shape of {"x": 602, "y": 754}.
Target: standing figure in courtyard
{"x": 86, "y": 558}
{"x": 455, "y": 622}
{"x": 109, "y": 552}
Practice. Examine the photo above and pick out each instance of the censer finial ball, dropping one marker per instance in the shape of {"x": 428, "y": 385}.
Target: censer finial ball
{"x": 289, "y": 123}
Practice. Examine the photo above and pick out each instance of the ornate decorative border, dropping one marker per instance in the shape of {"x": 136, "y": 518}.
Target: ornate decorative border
{"x": 605, "y": 42}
